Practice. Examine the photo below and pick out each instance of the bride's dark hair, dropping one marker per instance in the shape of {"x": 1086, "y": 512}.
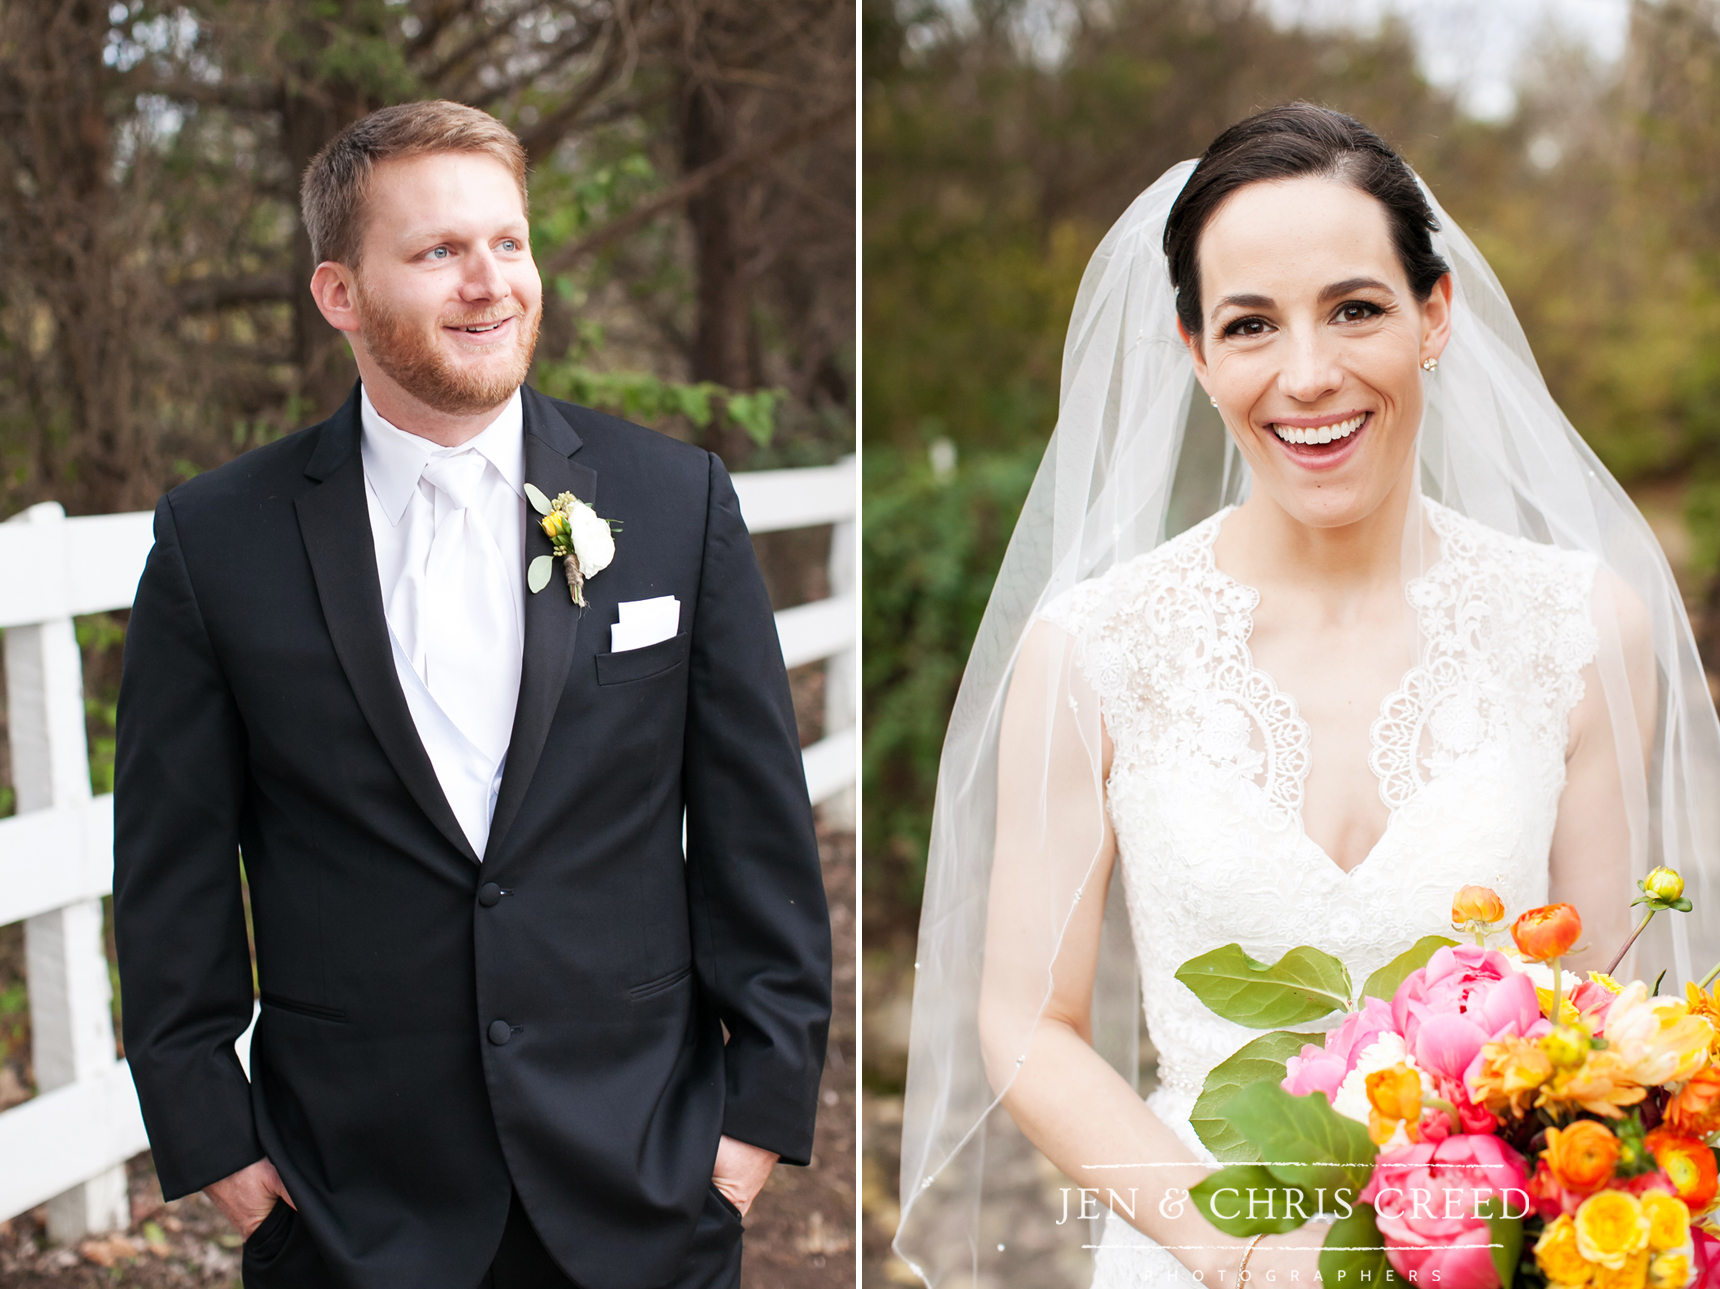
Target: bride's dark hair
{"x": 1289, "y": 142}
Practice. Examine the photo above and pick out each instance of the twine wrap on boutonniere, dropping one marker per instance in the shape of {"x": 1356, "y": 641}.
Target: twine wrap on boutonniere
{"x": 581, "y": 541}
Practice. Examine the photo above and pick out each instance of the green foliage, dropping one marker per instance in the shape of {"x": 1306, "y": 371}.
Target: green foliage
{"x": 1355, "y": 1253}
{"x": 1302, "y": 985}
{"x": 1246, "y": 1200}
{"x": 1506, "y": 1236}
{"x": 1384, "y": 982}
{"x": 1262, "y": 1060}
{"x": 649, "y": 399}
{"x": 1305, "y": 1142}
{"x": 931, "y": 546}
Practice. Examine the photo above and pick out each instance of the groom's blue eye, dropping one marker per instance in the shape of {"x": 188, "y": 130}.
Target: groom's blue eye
{"x": 439, "y": 251}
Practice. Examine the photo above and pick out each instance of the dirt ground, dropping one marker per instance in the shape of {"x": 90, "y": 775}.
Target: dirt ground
{"x": 799, "y": 1234}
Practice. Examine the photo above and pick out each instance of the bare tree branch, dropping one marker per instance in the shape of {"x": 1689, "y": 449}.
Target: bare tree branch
{"x": 737, "y": 162}
{"x": 202, "y": 294}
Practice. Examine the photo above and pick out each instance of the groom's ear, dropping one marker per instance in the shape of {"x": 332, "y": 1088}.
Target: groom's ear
{"x": 333, "y": 289}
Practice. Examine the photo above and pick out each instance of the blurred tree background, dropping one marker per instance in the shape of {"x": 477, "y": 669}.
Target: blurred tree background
{"x": 693, "y": 196}
{"x": 693, "y": 205}
{"x": 995, "y": 158}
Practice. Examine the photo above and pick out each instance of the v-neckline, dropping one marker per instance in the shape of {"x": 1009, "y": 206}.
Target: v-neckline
{"x": 1250, "y": 600}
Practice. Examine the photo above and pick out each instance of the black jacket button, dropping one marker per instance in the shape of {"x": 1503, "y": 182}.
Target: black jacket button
{"x": 489, "y": 895}
{"x": 500, "y": 1032}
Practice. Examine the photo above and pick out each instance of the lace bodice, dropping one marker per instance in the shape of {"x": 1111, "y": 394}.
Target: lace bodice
{"x": 1205, "y": 790}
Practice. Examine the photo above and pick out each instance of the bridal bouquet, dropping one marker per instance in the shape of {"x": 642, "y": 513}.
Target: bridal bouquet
{"x": 1480, "y": 1118}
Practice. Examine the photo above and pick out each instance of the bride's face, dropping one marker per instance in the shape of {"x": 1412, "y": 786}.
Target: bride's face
{"x": 1312, "y": 344}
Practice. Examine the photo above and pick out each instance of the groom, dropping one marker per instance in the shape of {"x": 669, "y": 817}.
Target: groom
{"x": 511, "y": 1033}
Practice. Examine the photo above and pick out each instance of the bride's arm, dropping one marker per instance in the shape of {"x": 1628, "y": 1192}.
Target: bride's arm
{"x": 1042, "y": 946}
{"x": 1590, "y": 860}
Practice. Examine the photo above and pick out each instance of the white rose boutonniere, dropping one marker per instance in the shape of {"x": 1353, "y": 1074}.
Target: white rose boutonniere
{"x": 584, "y": 543}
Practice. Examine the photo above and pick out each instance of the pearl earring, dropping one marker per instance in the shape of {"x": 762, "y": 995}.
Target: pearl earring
{"x": 1430, "y": 364}
{"x": 1212, "y": 400}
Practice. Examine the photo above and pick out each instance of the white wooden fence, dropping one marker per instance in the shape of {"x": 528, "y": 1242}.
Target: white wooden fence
{"x": 67, "y": 1146}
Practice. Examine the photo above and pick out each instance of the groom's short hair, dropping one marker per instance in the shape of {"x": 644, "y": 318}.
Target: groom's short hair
{"x": 333, "y": 193}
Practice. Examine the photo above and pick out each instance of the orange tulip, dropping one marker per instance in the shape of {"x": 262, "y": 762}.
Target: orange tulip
{"x": 1476, "y": 904}
{"x": 1583, "y": 1156}
{"x": 1690, "y": 1166}
{"x": 1547, "y": 932}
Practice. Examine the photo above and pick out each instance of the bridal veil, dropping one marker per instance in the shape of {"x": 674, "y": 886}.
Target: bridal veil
{"x": 1137, "y": 457}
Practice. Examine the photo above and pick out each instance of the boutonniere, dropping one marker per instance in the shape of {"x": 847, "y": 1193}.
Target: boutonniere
{"x": 581, "y": 541}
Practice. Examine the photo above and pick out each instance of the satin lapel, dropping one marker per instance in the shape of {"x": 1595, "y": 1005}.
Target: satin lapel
{"x": 335, "y": 524}
{"x": 552, "y": 619}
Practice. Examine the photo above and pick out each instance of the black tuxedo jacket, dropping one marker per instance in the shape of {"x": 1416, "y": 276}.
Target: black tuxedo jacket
{"x": 434, "y": 1030}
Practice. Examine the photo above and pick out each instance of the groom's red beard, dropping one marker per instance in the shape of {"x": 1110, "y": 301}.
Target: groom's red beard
{"x": 420, "y": 367}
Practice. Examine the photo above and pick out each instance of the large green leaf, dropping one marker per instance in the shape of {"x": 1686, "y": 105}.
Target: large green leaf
{"x": 1300, "y": 986}
{"x": 1245, "y": 1200}
{"x": 1506, "y": 1234}
{"x": 1355, "y": 1252}
{"x": 1304, "y": 1141}
{"x": 1384, "y": 982}
{"x": 1258, "y": 1061}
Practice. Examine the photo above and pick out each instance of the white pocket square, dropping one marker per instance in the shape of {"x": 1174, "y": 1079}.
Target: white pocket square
{"x": 645, "y": 622}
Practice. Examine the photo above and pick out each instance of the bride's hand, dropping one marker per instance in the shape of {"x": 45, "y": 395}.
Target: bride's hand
{"x": 1292, "y": 1259}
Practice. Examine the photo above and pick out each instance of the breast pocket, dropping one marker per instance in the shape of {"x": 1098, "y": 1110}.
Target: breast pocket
{"x": 643, "y": 664}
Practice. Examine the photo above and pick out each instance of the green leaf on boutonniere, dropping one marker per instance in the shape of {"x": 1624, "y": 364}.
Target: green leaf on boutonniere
{"x": 1259, "y": 1061}
{"x": 1245, "y": 1200}
{"x": 1301, "y": 985}
{"x": 1355, "y": 1253}
{"x": 1304, "y": 1141}
{"x": 1384, "y": 982}
{"x": 538, "y": 571}
{"x": 540, "y": 503}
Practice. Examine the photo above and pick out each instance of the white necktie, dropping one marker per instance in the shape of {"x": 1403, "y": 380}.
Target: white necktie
{"x": 466, "y": 623}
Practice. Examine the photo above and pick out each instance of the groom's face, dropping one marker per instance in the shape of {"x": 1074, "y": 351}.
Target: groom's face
{"x": 447, "y": 294}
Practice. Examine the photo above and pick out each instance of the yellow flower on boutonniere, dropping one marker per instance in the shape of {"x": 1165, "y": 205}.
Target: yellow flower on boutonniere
{"x": 583, "y": 543}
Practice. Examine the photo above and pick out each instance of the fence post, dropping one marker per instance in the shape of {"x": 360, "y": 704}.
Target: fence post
{"x": 66, "y": 970}
{"x": 841, "y": 672}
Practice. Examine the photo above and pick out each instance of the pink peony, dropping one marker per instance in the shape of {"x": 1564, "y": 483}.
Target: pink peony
{"x": 1424, "y": 1199}
{"x": 1706, "y": 1260}
{"x": 1322, "y": 1069}
{"x": 1464, "y": 997}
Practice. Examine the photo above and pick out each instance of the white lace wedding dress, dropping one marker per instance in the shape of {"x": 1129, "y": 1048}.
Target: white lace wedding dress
{"x": 1205, "y": 791}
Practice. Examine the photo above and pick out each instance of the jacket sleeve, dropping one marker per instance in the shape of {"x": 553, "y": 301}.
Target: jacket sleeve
{"x": 761, "y": 932}
{"x": 179, "y": 920}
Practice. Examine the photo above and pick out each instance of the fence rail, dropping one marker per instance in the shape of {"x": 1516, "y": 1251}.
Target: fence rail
{"x": 67, "y": 1146}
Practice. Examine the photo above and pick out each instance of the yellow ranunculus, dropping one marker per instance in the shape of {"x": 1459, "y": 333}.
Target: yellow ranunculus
{"x": 1631, "y": 1274}
{"x": 555, "y": 525}
{"x": 1556, "y": 1254}
{"x": 1668, "y": 1221}
{"x": 1605, "y": 981}
{"x": 1610, "y": 1227}
{"x": 1669, "y": 1271}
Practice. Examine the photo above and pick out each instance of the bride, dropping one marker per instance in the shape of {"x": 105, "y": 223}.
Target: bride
{"x": 1318, "y": 610}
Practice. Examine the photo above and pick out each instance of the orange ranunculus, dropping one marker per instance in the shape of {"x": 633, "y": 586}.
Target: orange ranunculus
{"x": 1547, "y": 932}
{"x": 1394, "y": 1097}
{"x": 1688, "y": 1164}
{"x": 1694, "y": 1110}
{"x": 1582, "y": 1157}
{"x": 1476, "y": 905}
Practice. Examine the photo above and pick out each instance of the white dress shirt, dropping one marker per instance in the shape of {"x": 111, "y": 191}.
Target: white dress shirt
{"x": 402, "y": 506}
